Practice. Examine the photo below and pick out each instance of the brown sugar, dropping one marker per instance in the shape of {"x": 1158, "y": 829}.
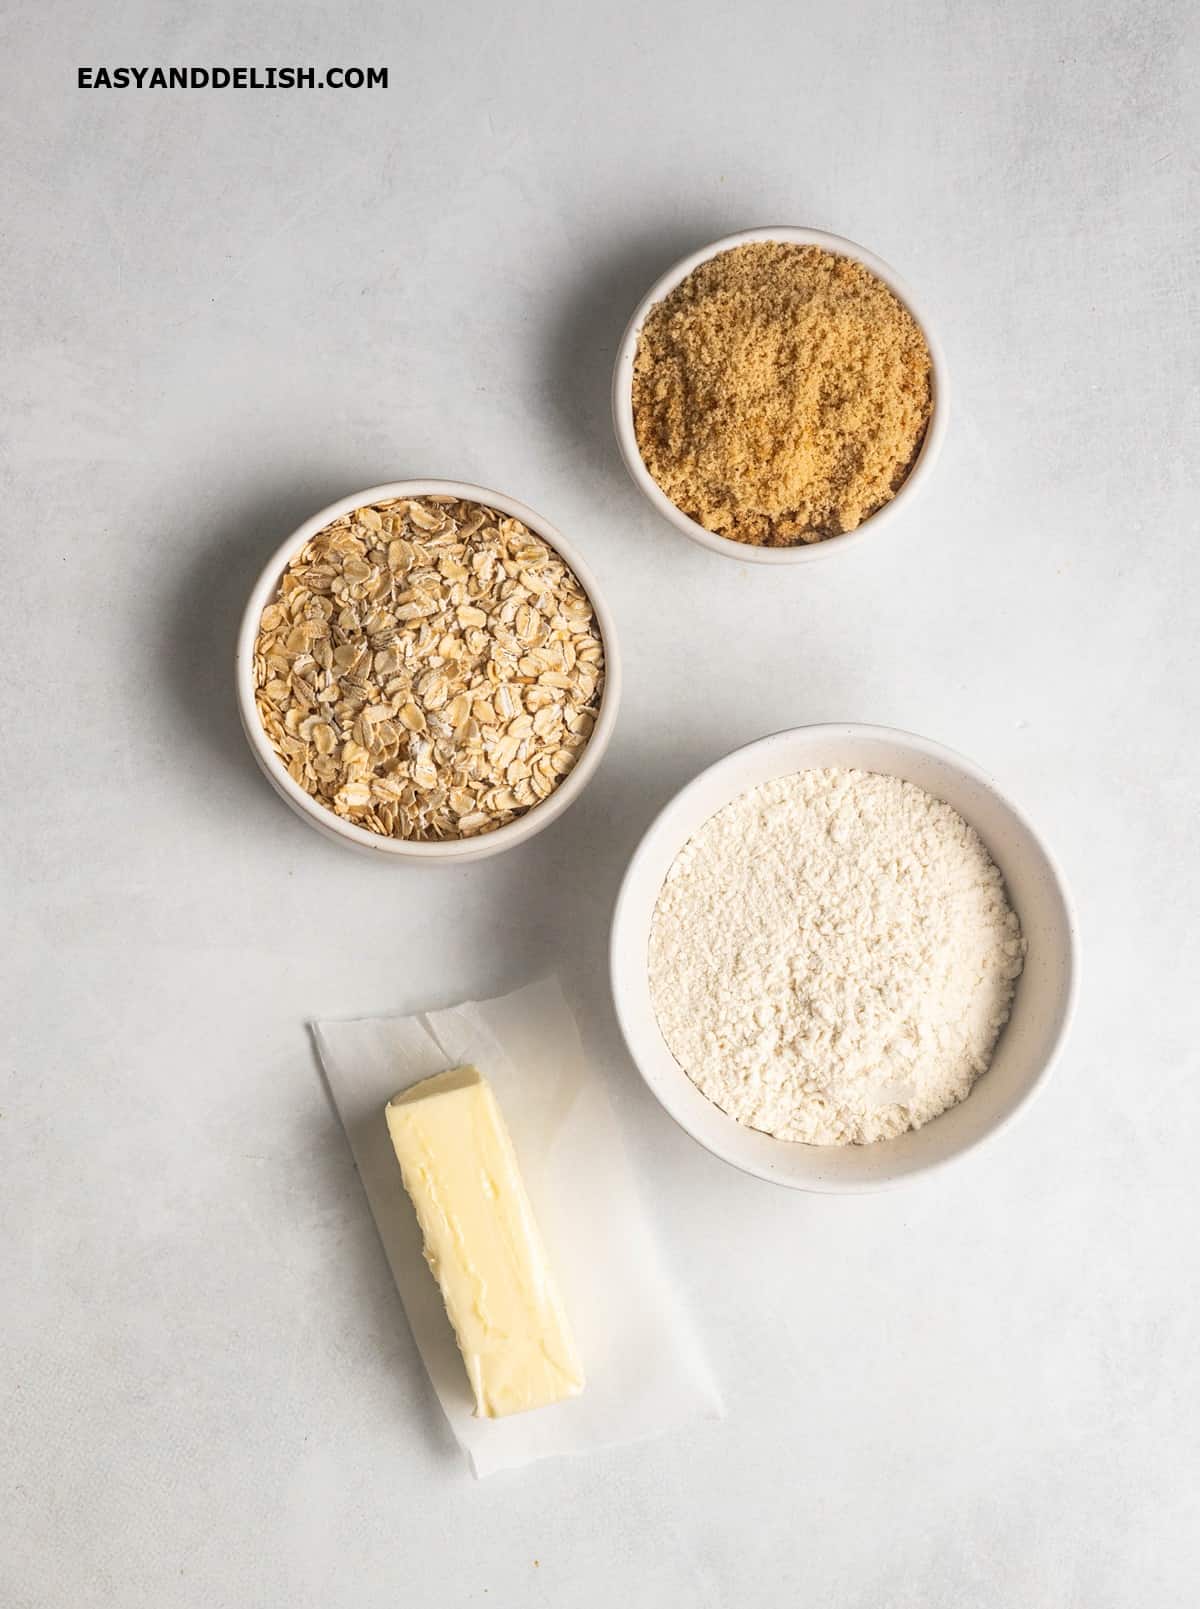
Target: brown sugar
{"x": 781, "y": 394}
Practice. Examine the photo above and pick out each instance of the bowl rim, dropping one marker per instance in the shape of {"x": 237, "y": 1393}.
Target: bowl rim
{"x": 450, "y": 849}
{"x": 802, "y": 553}
{"x": 658, "y": 1087}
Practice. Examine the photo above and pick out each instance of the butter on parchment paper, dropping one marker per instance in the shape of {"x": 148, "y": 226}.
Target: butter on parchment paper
{"x": 482, "y": 1243}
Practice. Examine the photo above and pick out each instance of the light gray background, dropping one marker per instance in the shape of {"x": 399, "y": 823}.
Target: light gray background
{"x": 223, "y": 309}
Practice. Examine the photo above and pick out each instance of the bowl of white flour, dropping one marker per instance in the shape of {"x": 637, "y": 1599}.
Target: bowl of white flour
{"x": 841, "y": 957}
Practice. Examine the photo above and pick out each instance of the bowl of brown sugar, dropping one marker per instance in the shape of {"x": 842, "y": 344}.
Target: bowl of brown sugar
{"x": 779, "y": 394}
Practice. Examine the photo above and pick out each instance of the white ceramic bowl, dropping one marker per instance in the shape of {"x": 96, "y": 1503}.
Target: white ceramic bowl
{"x": 1042, "y": 1006}
{"x": 456, "y": 850}
{"x": 803, "y": 552}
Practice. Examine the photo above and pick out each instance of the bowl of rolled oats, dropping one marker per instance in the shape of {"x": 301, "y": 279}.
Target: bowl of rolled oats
{"x": 426, "y": 670}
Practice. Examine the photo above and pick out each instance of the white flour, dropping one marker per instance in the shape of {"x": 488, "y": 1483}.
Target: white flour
{"x": 832, "y": 957}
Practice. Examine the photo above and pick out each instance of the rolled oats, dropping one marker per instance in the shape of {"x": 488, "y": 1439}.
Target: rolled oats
{"x": 429, "y": 670}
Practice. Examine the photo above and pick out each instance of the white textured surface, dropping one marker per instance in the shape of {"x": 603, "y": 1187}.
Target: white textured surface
{"x": 222, "y": 310}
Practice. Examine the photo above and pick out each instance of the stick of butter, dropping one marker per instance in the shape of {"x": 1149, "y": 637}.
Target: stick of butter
{"x": 482, "y": 1243}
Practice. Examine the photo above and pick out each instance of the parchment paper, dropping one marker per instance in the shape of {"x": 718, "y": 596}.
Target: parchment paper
{"x": 646, "y": 1373}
